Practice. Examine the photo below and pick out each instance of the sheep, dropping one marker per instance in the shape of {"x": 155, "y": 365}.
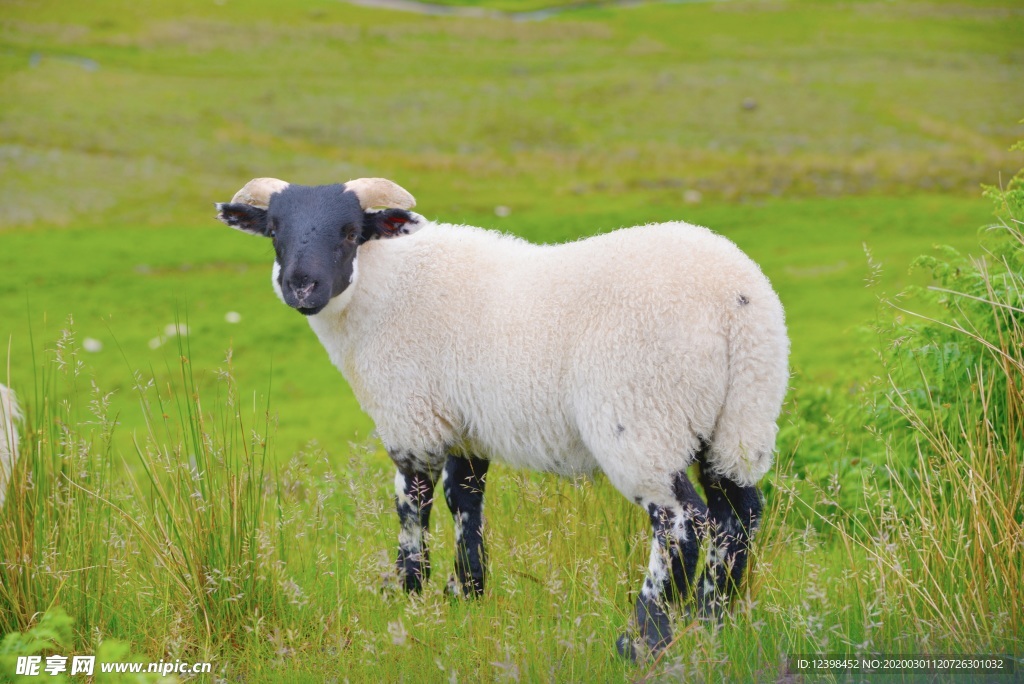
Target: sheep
{"x": 638, "y": 353}
{"x": 10, "y": 415}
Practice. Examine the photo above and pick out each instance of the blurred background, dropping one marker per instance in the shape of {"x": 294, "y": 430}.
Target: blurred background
{"x": 833, "y": 141}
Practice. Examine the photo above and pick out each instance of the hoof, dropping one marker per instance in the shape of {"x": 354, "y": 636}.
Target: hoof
{"x": 457, "y": 589}
{"x": 626, "y": 648}
{"x": 412, "y": 571}
{"x": 635, "y": 649}
{"x": 452, "y": 588}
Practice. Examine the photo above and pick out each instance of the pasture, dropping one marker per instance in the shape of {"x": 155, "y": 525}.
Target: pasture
{"x": 218, "y": 495}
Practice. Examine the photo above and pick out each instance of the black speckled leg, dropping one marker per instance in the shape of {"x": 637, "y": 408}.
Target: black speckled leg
{"x": 675, "y": 548}
{"x": 733, "y": 514}
{"x": 686, "y": 538}
{"x": 651, "y": 619}
{"x": 414, "y": 496}
{"x": 463, "y": 481}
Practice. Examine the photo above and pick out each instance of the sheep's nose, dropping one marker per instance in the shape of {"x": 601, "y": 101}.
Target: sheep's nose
{"x": 302, "y": 287}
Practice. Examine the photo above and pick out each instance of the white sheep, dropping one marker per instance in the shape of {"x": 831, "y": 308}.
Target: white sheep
{"x": 10, "y": 415}
{"x": 638, "y": 353}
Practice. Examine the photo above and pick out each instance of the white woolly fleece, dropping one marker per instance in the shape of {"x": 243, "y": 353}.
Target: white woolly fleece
{"x": 9, "y": 415}
{"x": 620, "y": 352}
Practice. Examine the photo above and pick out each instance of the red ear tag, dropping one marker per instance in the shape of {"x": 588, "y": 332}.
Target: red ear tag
{"x": 394, "y": 225}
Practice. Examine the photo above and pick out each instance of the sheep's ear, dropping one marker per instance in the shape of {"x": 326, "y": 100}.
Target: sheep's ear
{"x": 390, "y": 223}
{"x": 243, "y": 217}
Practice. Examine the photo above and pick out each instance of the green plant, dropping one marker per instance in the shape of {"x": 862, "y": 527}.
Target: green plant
{"x": 53, "y": 634}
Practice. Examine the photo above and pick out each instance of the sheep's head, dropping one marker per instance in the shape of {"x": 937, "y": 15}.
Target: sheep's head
{"x": 317, "y": 230}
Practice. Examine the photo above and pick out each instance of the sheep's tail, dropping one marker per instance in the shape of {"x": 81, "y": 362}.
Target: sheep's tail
{"x": 743, "y": 444}
{"x": 10, "y": 414}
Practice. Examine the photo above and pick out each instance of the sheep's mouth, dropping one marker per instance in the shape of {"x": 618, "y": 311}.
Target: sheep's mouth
{"x": 309, "y": 311}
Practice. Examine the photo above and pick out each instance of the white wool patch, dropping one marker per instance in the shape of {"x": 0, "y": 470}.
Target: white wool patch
{"x": 410, "y": 535}
{"x": 275, "y": 277}
{"x": 400, "y": 490}
{"x": 10, "y": 416}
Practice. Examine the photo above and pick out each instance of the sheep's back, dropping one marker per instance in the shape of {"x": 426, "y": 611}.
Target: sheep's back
{"x": 602, "y": 351}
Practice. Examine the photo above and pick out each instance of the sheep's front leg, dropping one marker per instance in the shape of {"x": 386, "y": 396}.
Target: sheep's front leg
{"x": 414, "y": 496}
{"x": 463, "y": 481}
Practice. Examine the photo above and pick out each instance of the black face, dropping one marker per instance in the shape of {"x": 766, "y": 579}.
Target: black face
{"x": 316, "y": 231}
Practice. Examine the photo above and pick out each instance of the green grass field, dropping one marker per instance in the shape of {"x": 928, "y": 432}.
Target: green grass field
{"x": 833, "y": 142}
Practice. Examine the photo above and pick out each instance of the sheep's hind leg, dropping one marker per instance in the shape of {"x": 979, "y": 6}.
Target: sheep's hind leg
{"x": 414, "y": 496}
{"x": 688, "y": 533}
{"x": 463, "y": 481}
{"x": 734, "y": 512}
{"x": 674, "y": 550}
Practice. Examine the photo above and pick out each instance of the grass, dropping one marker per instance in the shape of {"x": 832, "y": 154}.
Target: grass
{"x": 219, "y": 495}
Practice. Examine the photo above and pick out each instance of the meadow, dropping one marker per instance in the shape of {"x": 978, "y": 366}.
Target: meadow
{"x": 218, "y": 495}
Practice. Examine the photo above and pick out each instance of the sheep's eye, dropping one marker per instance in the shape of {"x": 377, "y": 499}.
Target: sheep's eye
{"x": 350, "y": 232}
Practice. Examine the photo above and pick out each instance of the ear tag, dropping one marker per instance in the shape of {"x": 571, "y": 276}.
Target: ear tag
{"x": 393, "y": 226}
